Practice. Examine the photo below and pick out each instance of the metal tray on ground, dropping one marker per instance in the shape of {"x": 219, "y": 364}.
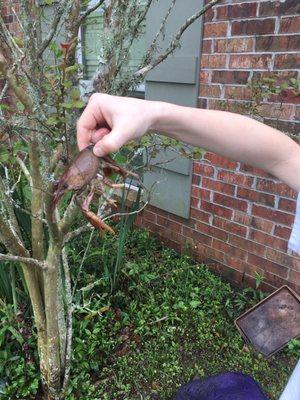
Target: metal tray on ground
{"x": 273, "y": 322}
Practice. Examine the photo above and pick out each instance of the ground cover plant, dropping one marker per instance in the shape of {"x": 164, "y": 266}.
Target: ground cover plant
{"x": 167, "y": 320}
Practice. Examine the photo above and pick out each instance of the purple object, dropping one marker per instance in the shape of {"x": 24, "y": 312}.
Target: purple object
{"x": 227, "y": 386}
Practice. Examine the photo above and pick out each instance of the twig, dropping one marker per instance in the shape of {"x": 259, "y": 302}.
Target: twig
{"x": 24, "y": 170}
{"x": 4, "y": 90}
{"x": 72, "y": 235}
{"x": 176, "y": 40}
{"x": 60, "y": 9}
{"x": 161, "y": 29}
{"x": 25, "y": 260}
{"x": 89, "y": 11}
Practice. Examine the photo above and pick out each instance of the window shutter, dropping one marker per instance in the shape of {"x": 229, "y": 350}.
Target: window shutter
{"x": 175, "y": 80}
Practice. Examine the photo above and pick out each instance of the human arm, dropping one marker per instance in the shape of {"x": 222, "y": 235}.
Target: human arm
{"x": 110, "y": 122}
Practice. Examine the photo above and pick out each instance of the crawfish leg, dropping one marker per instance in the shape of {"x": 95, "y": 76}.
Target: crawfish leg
{"x": 108, "y": 182}
{"x": 88, "y": 199}
{"x": 118, "y": 169}
{"x": 96, "y": 221}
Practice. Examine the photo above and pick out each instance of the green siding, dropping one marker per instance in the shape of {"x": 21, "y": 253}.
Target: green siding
{"x": 175, "y": 80}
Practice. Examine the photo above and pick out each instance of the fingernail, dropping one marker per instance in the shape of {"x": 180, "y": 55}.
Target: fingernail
{"x": 98, "y": 152}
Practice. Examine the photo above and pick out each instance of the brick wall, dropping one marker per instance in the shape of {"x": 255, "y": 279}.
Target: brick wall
{"x": 241, "y": 217}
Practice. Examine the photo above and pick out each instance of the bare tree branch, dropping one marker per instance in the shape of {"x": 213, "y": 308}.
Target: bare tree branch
{"x": 72, "y": 235}
{"x": 25, "y": 260}
{"x": 11, "y": 79}
{"x": 176, "y": 41}
{"x": 161, "y": 29}
{"x": 89, "y": 11}
{"x": 60, "y": 8}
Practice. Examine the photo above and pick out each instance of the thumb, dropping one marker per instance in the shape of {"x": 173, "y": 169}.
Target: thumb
{"x": 110, "y": 143}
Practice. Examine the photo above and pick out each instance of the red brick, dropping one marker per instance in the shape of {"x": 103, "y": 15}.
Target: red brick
{"x": 279, "y": 188}
{"x": 256, "y": 197}
{"x": 238, "y": 77}
{"x": 206, "y": 46}
{"x": 236, "y": 45}
{"x": 242, "y": 218}
{"x": 287, "y": 61}
{"x": 282, "y": 232}
{"x": 210, "y": 91}
{"x": 238, "y": 92}
{"x": 273, "y": 8}
{"x": 262, "y": 224}
{"x": 212, "y": 231}
{"x": 215, "y": 29}
{"x": 149, "y": 216}
{"x": 268, "y": 266}
{"x": 287, "y": 95}
{"x": 278, "y": 76}
{"x": 247, "y": 245}
{"x": 253, "y": 171}
{"x": 276, "y": 110}
{"x": 220, "y": 245}
{"x": 169, "y": 224}
{"x": 229, "y": 226}
{"x": 220, "y": 161}
{"x": 170, "y": 234}
{"x": 203, "y": 169}
{"x": 276, "y": 216}
{"x": 278, "y": 281}
{"x": 292, "y": 128}
{"x": 200, "y": 215}
{"x": 250, "y": 61}
{"x": 209, "y": 15}
{"x": 277, "y": 43}
{"x": 204, "y": 77}
{"x": 230, "y": 202}
{"x": 201, "y": 193}
{"x": 287, "y": 205}
{"x": 195, "y": 202}
{"x": 283, "y": 259}
{"x": 214, "y": 61}
{"x": 196, "y": 180}
{"x": 253, "y": 27}
{"x": 216, "y": 209}
{"x": 197, "y": 236}
{"x": 218, "y": 186}
{"x": 268, "y": 240}
{"x": 294, "y": 277}
{"x": 235, "y": 11}
{"x": 290, "y": 25}
{"x": 235, "y": 178}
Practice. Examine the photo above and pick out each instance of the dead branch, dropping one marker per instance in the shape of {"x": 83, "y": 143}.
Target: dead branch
{"x": 25, "y": 260}
{"x": 143, "y": 70}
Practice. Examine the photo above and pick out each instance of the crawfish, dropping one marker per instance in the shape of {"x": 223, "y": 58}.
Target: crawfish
{"x": 79, "y": 174}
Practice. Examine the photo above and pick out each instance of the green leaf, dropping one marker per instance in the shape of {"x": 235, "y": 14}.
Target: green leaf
{"x": 79, "y": 104}
{"x": 16, "y": 335}
{"x": 4, "y": 155}
{"x": 72, "y": 68}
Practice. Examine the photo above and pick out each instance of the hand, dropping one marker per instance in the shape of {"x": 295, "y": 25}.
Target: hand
{"x": 109, "y": 122}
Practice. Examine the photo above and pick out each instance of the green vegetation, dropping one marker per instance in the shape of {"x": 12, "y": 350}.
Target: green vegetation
{"x": 167, "y": 321}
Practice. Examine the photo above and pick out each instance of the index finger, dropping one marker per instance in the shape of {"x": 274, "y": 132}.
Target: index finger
{"x": 88, "y": 122}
